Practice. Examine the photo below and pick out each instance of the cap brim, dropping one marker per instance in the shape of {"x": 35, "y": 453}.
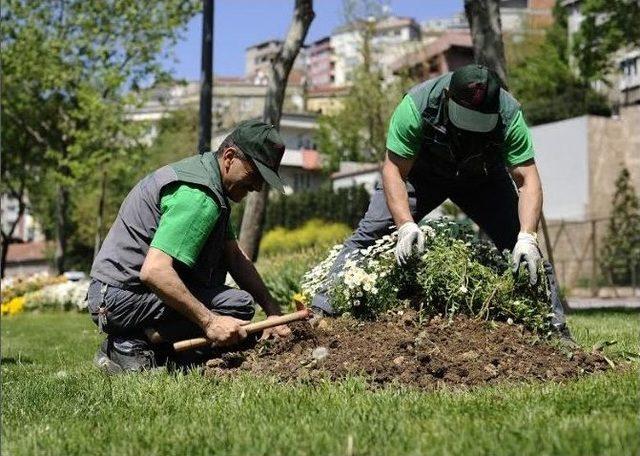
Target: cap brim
{"x": 470, "y": 120}
{"x": 270, "y": 176}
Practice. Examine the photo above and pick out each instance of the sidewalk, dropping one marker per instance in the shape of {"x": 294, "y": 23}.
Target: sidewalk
{"x": 576, "y": 303}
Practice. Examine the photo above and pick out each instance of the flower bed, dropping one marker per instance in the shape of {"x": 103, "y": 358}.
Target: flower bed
{"x": 42, "y": 292}
{"x": 63, "y": 296}
{"x": 14, "y": 287}
{"x": 456, "y": 274}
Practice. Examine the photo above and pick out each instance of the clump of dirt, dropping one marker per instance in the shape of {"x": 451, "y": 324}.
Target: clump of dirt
{"x": 400, "y": 349}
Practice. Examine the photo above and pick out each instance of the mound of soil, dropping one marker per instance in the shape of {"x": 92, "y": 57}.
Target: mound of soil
{"x": 400, "y": 349}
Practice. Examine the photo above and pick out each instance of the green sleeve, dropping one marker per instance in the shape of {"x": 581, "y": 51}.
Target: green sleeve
{"x": 405, "y": 129}
{"x": 518, "y": 145}
{"x": 188, "y": 215}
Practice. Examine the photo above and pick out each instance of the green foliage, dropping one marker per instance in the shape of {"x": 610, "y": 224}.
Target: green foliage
{"x": 358, "y": 131}
{"x": 607, "y": 26}
{"x": 345, "y": 205}
{"x": 621, "y": 250}
{"x": 67, "y": 69}
{"x": 177, "y": 138}
{"x": 314, "y": 233}
{"x": 456, "y": 277}
{"x": 541, "y": 78}
{"x": 457, "y": 273}
{"x": 282, "y": 273}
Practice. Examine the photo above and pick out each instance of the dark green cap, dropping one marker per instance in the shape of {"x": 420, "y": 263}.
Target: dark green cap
{"x": 474, "y": 98}
{"x": 264, "y": 145}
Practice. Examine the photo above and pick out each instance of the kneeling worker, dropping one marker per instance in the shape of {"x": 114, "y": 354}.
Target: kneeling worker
{"x": 166, "y": 256}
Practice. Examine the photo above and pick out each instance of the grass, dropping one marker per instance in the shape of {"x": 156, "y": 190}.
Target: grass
{"x": 54, "y": 402}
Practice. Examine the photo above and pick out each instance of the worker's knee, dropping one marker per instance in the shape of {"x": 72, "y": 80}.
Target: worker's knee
{"x": 239, "y": 304}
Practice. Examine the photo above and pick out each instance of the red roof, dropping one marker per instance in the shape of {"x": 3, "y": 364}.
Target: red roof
{"x": 439, "y": 46}
{"x": 27, "y": 251}
{"x": 328, "y": 90}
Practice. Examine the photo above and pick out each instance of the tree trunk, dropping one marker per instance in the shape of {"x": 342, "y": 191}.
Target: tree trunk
{"x": 100, "y": 216}
{"x": 256, "y": 206}
{"x": 486, "y": 32}
{"x": 206, "y": 76}
{"x": 62, "y": 217}
{"x": 7, "y": 238}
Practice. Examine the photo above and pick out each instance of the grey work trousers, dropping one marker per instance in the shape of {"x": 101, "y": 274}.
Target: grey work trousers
{"x": 491, "y": 202}
{"x": 119, "y": 311}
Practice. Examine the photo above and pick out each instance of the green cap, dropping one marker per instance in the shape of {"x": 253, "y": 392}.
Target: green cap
{"x": 264, "y": 145}
{"x": 474, "y": 98}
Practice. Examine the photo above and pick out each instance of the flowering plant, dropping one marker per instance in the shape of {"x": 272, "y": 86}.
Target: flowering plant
{"x": 14, "y": 287}
{"x": 64, "y": 296}
{"x": 13, "y": 306}
{"x": 457, "y": 273}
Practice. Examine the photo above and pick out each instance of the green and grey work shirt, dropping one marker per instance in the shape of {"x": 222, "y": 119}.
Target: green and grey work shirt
{"x": 417, "y": 130}
{"x": 180, "y": 209}
{"x": 189, "y": 214}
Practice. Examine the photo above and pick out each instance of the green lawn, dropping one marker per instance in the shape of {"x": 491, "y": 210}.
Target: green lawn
{"x": 54, "y": 402}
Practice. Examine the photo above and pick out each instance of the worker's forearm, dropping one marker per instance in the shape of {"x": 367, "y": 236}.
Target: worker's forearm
{"x": 530, "y": 207}
{"x": 395, "y": 192}
{"x": 166, "y": 283}
{"x": 246, "y": 276}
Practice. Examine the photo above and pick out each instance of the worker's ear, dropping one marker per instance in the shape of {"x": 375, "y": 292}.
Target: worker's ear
{"x": 227, "y": 157}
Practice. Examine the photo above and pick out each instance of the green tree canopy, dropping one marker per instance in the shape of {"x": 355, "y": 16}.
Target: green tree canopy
{"x": 68, "y": 68}
{"x": 543, "y": 81}
{"x": 608, "y": 26}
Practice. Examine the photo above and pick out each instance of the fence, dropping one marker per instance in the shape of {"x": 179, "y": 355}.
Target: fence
{"x": 575, "y": 250}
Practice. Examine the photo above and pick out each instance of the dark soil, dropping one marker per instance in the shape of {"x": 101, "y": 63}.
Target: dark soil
{"x": 401, "y": 350}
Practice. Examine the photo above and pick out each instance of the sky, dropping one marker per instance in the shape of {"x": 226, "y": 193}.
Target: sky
{"x": 243, "y": 23}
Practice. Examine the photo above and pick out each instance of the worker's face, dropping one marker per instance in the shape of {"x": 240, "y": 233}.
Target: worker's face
{"x": 463, "y": 142}
{"x": 239, "y": 176}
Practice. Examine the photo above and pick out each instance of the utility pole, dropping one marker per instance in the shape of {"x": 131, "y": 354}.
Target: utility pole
{"x": 206, "y": 76}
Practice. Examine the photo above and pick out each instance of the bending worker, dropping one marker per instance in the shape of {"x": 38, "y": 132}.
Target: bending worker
{"x": 458, "y": 136}
{"x": 165, "y": 259}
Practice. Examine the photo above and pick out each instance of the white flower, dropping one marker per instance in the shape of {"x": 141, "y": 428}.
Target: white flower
{"x": 463, "y": 289}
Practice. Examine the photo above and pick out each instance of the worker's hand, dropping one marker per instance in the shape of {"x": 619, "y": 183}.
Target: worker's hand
{"x": 527, "y": 250}
{"x": 410, "y": 237}
{"x": 276, "y": 331}
{"x": 224, "y": 331}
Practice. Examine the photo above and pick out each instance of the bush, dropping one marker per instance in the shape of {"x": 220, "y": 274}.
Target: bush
{"x": 283, "y": 273}
{"x": 457, "y": 273}
{"x": 346, "y": 205}
{"x": 314, "y": 233}
{"x": 620, "y": 253}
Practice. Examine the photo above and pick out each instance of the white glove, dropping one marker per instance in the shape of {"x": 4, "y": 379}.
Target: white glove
{"x": 526, "y": 249}
{"x": 409, "y": 235}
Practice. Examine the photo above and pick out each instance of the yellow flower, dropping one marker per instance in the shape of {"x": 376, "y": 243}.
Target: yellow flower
{"x": 13, "y": 307}
{"x": 300, "y": 300}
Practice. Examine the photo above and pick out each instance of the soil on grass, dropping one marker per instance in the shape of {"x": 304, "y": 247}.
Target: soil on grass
{"x": 400, "y": 349}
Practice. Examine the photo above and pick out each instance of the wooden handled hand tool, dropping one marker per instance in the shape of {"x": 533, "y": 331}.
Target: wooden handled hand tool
{"x": 250, "y": 328}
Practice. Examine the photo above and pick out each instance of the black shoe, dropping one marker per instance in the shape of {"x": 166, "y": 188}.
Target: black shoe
{"x": 119, "y": 354}
{"x": 101, "y": 360}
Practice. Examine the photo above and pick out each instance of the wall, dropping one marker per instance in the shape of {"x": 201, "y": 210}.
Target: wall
{"x": 613, "y": 143}
{"x": 562, "y": 158}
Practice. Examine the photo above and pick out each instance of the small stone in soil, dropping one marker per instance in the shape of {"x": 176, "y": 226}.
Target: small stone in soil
{"x": 320, "y": 353}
